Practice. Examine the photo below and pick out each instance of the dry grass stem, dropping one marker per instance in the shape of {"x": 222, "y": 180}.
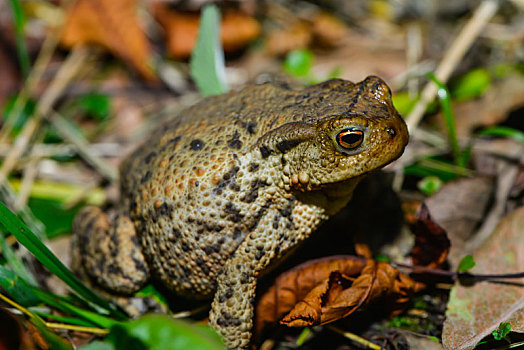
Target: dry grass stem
{"x": 35, "y": 75}
{"x": 356, "y": 338}
{"x": 452, "y": 57}
{"x": 82, "y": 146}
{"x": 67, "y": 71}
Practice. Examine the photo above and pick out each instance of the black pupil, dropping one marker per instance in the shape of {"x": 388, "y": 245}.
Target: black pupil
{"x": 351, "y": 137}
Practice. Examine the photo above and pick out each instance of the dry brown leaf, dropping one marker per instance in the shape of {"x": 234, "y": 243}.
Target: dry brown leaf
{"x": 431, "y": 241}
{"x": 475, "y": 311}
{"x": 293, "y": 285}
{"x": 459, "y": 207}
{"x": 325, "y": 290}
{"x": 114, "y": 25}
{"x": 181, "y": 28}
{"x": 13, "y": 334}
{"x": 340, "y": 295}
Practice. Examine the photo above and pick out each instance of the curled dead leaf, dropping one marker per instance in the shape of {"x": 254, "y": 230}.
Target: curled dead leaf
{"x": 340, "y": 295}
{"x": 325, "y": 290}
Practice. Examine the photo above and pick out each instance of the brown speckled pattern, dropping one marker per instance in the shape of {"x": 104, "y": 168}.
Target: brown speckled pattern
{"x": 232, "y": 183}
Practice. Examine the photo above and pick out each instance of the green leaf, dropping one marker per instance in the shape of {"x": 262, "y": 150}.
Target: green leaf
{"x": 98, "y": 345}
{"x": 502, "y": 331}
{"x": 17, "y": 288}
{"x": 471, "y": 85}
{"x": 429, "y": 185}
{"x": 303, "y": 336}
{"x": 435, "y": 339}
{"x": 28, "y": 239}
{"x": 466, "y": 263}
{"x": 434, "y": 166}
{"x": 56, "y": 219}
{"x": 96, "y": 105}
{"x": 335, "y": 73}
{"x": 382, "y": 257}
{"x": 149, "y": 291}
{"x": 207, "y": 67}
{"x": 403, "y": 102}
{"x": 504, "y": 131}
{"x": 21, "y": 47}
{"x": 299, "y": 62}
{"x": 157, "y": 332}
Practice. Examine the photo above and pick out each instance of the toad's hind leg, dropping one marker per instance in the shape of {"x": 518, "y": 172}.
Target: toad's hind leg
{"x": 108, "y": 253}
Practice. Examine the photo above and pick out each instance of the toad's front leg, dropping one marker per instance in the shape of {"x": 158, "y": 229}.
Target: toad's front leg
{"x": 232, "y": 310}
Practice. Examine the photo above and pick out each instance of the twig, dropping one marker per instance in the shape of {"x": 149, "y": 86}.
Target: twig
{"x": 459, "y": 275}
{"x": 355, "y": 338}
{"x": 508, "y": 173}
{"x": 452, "y": 57}
{"x": 30, "y": 173}
{"x": 67, "y": 71}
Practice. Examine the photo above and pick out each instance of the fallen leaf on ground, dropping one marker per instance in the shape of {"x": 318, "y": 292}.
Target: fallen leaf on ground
{"x": 475, "y": 311}
{"x": 325, "y": 290}
{"x": 459, "y": 207}
{"x": 431, "y": 241}
{"x": 114, "y": 25}
{"x": 181, "y": 28}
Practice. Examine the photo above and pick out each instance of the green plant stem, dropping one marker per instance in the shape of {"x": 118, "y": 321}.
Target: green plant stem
{"x": 21, "y": 47}
{"x": 449, "y": 118}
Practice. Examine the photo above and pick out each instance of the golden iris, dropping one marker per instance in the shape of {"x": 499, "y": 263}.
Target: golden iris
{"x": 350, "y": 138}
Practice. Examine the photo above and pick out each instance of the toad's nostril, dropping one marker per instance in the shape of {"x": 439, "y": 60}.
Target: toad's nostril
{"x": 391, "y": 131}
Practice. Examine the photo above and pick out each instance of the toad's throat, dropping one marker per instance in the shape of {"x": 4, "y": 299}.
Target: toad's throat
{"x": 332, "y": 197}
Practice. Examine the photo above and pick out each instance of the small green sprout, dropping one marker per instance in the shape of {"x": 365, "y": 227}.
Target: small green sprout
{"x": 466, "y": 263}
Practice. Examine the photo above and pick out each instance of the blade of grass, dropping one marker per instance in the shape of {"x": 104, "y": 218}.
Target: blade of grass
{"x": 207, "y": 66}
{"x": 17, "y": 288}
{"x": 504, "y": 131}
{"x": 62, "y": 319}
{"x": 14, "y": 262}
{"x": 21, "y": 47}
{"x": 449, "y": 118}
{"x": 63, "y": 305}
{"x": 28, "y": 239}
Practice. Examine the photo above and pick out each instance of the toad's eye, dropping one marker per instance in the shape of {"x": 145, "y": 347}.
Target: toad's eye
{"x": 350, "y": 138}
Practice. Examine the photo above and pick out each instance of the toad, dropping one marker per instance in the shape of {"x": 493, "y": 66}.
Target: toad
{"x": 233, "y": 184}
